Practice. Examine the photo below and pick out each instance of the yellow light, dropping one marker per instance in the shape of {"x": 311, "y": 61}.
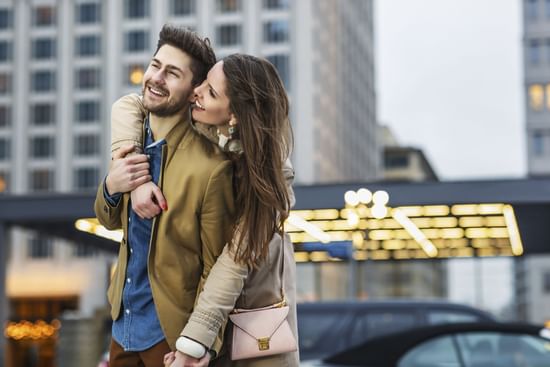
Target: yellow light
{"x": 427, "y": 246}
{"x": 351, "y": 198}
{"x": 339, "y": 236}
{"x": 374, "y": 224}
{"x": 442, "y": 222}
{"x": 515, "y": 238}
{"x": 452, "y": 233}
{"x": 360, "y": 255}
{"x": 29, "y": 330}
{"x": 380, "y": 255}
{"x": 436, "y": 210}
{"x": 340, "y": 225}
{"x": 381, "y": 234}
{"x": 301, "y": 257}
{"x": 393, "y": 245}
{"x": 498, "y": 232}
{"x": 136, "y": 75}
{"x": 536, "y": 97}
{"x": 390, "y": 223}
{"x": 380, "y": 197}
{"x": 353, "y": 219}
{"x": 476, "y": 232}
{"x": 379, "y": 211}
{"x": 464, "y": 209}
{"x": 304, "y": 214}
{"x": 401, "y": 254}
{"x": 471, "y": 221}
{"x": 464, "y": 252}
{"x": 412, "y": 211}
{"x": 308, "y": 227}
{"x": 488, "y": 209}
{"x": 84, "y": 225}
{"x": 401, "y": 234}
{"x": 92, "y": 226}
{"x": 2, "y": 184}
{"x": 363, "y": 211}
{"x": 422, "y": 222}
{"x": 481, "y": 242}
{"x": 458, "y": 242}
{"x": 431, "y": 233}
{"x": 364, "y": 195}
{"x": 495, "y": 221}
{"x": 357, "y": 238}
{"x": 318, "y": 256}
{"x": 325, "y": 214}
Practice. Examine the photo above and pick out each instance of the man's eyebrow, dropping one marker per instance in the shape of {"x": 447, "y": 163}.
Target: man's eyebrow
{"x": 169, "y": 66}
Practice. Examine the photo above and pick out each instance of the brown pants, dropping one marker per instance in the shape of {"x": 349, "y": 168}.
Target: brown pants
{"x": 152, "y": 357}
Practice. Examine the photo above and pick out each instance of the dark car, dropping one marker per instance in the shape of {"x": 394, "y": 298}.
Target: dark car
{"x": 452, "y": 345}
{"x": 328, "y": 327}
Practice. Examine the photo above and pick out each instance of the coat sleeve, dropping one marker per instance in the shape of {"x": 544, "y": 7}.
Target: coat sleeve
{"x": 222, "y": 290}
{"x": 109, "y": 216}
{"x": 127, "y": 115}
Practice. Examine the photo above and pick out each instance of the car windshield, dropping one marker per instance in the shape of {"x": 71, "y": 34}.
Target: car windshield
{"x": 480, "y": 349}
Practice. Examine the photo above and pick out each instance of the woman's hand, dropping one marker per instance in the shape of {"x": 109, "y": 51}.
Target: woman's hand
{"x": 148, "y": 201}
{"x": 127, "y": 173}
{"x": 183, "y": 360}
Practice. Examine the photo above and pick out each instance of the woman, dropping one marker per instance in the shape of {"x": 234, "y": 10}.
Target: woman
{"x": 242, "y": 107}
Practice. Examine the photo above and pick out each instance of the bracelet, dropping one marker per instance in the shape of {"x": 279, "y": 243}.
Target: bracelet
{"x": 190, "y": 347}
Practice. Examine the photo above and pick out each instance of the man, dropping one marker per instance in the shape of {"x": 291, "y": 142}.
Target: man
{"x": 163, "y": 262}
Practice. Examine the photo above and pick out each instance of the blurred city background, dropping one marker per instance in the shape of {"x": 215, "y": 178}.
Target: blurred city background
{"x": 443, "y": 105}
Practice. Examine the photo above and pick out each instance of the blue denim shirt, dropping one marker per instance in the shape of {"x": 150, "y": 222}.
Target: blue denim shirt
{"x": 138, "y": 328}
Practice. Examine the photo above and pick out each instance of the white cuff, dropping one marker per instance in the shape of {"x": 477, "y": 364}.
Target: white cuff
{"x": 190, "y": 347}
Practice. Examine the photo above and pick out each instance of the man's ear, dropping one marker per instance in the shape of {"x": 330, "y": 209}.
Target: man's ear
{"x": 233, "y": 120}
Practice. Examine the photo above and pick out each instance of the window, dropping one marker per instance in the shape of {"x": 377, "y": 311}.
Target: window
{"x": 86, "y": 178}
{"x": 5, "y": 149}
{"x": 137, "y": 41}
{"x": 536, "y": 97}
{"x": 435, "y": 352}
{"x": 282, "y": 63}
{"x": 87, "y": 78}
{"x": 531, "y": 9}
{"x": 276, "y": 4}
{"x": 396, "y": 161}
{"x": 6, "y": 18}
{"x": 228, "y": 6}
{"x": 87, "y": 13}
{"x": 43, "y": 81}
{"x": 87, "y": 111}
{"x": 82, "y": 250}
{"x": 86, "y": 145}
{"x": 276, "y": 31}
{"x": 5, "y": 83}
{"x": 6, "y": 50}
{"x": 534, "y": 52}
{"x": 43, "y": 48}
{"x": 538, "y": 143}
{"x": 135, "y": 9}
{"x": 547, "y": 8}
{"x": 5, "y": 116}
{"x": 43, "y": 16}
{"x": 228, "y": 35}
{"x": 88, "y": 45}
{"x": 134, "y": 74}
{"x": 42, "y": 114}
{"x": 40, "y": 247}
{"x": 4, "y": 182}
{"x": 42, "y": 147}
{"x": 41, "y": 180}
{"x": 183, "y": 7}
{"x": 546, "y": 282}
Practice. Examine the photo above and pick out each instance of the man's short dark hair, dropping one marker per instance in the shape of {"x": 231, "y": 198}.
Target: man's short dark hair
{"x": 200, "y": 50}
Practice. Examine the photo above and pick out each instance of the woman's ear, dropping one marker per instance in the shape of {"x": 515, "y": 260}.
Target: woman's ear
{"x": 233, "y": 120}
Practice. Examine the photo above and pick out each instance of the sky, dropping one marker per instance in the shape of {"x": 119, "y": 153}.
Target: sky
{"x": 449, "y": 81}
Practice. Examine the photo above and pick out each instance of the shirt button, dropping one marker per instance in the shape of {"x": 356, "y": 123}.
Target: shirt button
{"x": 131, "y": 250}
{"x": 127, "y": 311}
{"x": 128, "y": 280}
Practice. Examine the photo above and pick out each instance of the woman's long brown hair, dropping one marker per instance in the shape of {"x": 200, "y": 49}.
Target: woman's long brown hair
{"x": 260, "y": 104}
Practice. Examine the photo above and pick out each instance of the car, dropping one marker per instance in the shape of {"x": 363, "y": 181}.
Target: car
{"x": 451, "y": 345}
{"x": 325, "y": 328}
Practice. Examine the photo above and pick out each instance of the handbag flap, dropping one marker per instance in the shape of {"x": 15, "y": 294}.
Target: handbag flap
{"x": 260, "y": 324}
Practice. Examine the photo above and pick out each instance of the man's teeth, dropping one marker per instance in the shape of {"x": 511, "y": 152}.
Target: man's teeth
{"x": 156, "y": 91}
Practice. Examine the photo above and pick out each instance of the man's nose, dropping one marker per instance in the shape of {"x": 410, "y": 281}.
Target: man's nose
{"x": 158, "y": 76}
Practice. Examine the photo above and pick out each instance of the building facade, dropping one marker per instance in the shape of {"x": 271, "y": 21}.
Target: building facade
{"x": 533, "y": 273}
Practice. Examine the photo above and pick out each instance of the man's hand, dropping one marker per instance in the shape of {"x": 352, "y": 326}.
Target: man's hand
{"x": 125, "y": 174}
{"x": 147, "y": 200}
{"x": 183, "y": 360}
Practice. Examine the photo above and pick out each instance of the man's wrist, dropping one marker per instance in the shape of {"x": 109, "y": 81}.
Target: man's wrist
{"x": 190, "y": 347}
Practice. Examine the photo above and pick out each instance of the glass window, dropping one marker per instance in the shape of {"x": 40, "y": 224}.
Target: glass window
{"x": 86, "y": 145}
{"x": 228, "y": 35}
{"x": 43, "y": 81}
{"x": 5, "y": 83}
{"x": 396, "y": 161}
{"x": 86, "y": 178}
{"x": 4, "y": 182}
{"x": 40, "y": 247}
{"x": 6, "y": 18}
{"x": 6, "y": 50}
{"x": 5, "y": 116}
{"x": 546, "y": 282}
{"x": 282, "y": 63}
{"x": 134, "y": 74}
{"x": 534, "y": 52}
{"x": 135, "y": 9}
{"x": 538, "y": 144}
{"x": 228, "y": 6}
{"x": 445, "y": 317}
{"x": 531, "y": 9}
{"x": 137, "y": 41}
{"x": 82, "y": 250}
{"x": 536, "y": 97}
{"x": 41, "y": 180}
{"x": 276, "y": 4}
{"x": 89, "y": 45}
{"x": 43, "y": 48}
{"x": 437, "y": 352}
{"x": 87, "y": 13}
{"x": 87, "y": 111}
{"x": 87, "y": 78}
{"x": 43, "y": 16}
{"x": 5, "y": 149}
{"x": 183, "y": 7}
{"x": 276, "y": 31}
{"x": 42, "y": 114}
{"x": 42, "y": 147}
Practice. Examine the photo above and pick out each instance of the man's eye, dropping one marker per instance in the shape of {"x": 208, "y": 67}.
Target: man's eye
{"x": 155, "y": 66}
{"x": 173, "y": 73}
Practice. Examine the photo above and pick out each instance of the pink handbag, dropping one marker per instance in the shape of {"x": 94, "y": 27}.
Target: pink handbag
{"x": 262, "y": 331}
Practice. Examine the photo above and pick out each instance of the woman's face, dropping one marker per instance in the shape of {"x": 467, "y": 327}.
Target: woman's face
{"x": 211, "y": 102}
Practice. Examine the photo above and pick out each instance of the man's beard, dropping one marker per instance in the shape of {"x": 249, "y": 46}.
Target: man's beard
{"x": 166, "y": 109}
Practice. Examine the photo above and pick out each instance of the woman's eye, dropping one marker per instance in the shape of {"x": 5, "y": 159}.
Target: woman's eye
{"x": 211, "y": 93}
